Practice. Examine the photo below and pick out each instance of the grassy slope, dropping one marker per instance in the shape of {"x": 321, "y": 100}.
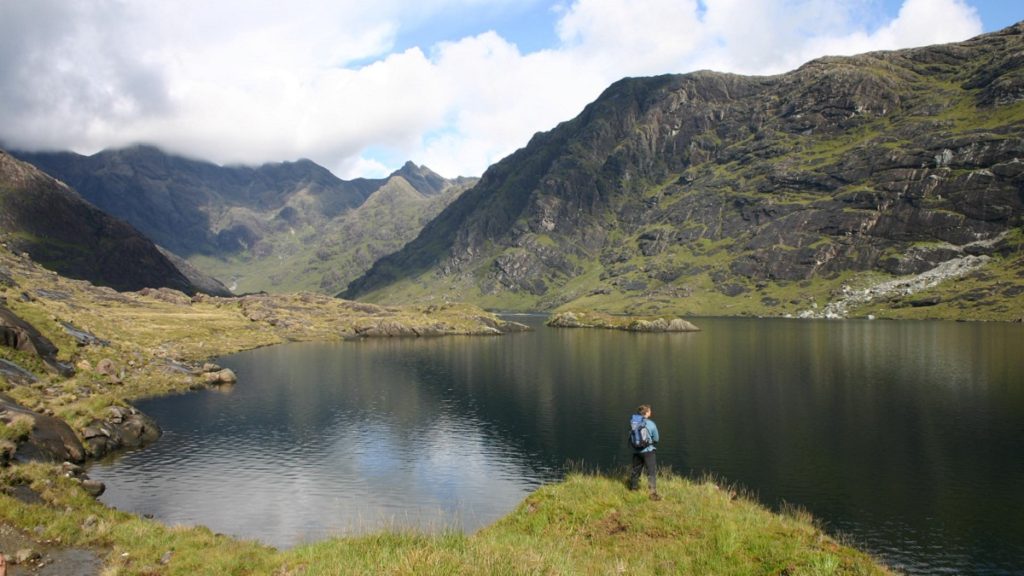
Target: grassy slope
{"x": 586, "y": 524}
{"x": 326, "y": 257}
{"x": 938, "y": 104}
{"x": 991, "y": 293}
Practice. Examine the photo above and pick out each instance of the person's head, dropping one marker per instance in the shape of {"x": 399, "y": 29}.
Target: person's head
{"x": 644, "y": 410}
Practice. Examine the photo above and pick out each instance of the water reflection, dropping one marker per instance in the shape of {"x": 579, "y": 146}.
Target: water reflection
{"x": 906, "y": 436}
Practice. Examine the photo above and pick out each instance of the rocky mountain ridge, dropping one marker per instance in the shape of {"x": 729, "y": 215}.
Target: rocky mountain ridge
{"x": 44, "y": 218}
{"x": 715, "y": 193}
{"x": 275, "y": 227}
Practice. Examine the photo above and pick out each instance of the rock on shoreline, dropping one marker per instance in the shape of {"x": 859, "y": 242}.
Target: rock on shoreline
{"x": 627, "y": 323}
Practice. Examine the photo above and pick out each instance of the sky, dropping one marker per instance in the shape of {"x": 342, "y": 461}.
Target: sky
{"x": 361, "y": 87}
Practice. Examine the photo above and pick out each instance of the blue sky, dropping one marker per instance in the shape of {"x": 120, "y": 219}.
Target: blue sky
{"x": 361, "y": 87}
{"x": 530, "y": 24}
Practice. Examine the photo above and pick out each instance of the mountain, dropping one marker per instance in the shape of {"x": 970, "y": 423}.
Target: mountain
{"x": 274, "y": 227}
{"x": 195, "y": 207}
{"x": 325, "y": 257}
{"x": 58, "y": 229}
{"x": 711, "y": 193}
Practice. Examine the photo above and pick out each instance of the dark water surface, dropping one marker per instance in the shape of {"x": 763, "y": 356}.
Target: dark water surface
{"x": 906, "y": 436}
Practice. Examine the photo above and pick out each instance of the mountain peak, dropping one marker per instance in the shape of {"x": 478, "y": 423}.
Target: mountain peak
{"x": 423, "y": 179}
{"x": 708, "y": 192}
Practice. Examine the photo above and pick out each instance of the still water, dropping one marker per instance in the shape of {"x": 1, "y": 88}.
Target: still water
{"x": 908, "y": 437}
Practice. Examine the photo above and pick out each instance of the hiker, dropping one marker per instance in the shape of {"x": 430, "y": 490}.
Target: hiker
{"x": 3, "y": 565}
{"x": 643, "y": 450}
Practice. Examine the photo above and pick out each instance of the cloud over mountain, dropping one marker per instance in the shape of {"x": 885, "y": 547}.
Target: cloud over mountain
{"x": 346, "y": 85}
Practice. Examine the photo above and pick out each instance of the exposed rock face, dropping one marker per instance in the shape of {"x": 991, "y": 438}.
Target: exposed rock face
{"x": 63, "y": 232}
{"x": 277, "y": 227}
{"x": 892, "y": 162}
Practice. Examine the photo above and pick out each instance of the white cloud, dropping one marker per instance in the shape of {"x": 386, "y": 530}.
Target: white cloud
{"x": 263, "y": 81}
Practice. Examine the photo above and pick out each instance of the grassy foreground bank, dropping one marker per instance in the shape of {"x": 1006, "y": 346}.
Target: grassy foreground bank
{"x": 584, "y": 525}
{"x": 587, "y": 524}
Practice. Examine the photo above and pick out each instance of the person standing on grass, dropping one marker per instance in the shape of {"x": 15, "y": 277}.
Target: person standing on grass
{"x": 643, "y": 450}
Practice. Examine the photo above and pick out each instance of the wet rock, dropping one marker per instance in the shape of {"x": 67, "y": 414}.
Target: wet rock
{"x": 224, "y": 376}
{"x": 94, "y": 488}
{"x": 124, "y": 427}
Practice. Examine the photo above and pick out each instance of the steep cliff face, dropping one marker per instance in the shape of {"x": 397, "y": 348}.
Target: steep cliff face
{"x": 705, "y": 191}
{"x": 60, "y": 230}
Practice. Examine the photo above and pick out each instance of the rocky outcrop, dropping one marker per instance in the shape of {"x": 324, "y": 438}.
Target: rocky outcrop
{"x": 124, "y": 427}
{"x": 885, "y": 163}
{"x": 215, "y": 375}
{"x": 629, "y": 324}
{"x": 16, "y": 374}
{"x": 49, "y": 440}
{"x": 58, "y": 229}
{"x": 20, "y": 335}
{"x": 298, "y": 225}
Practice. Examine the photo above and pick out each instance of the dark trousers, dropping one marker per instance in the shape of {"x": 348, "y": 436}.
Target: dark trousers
{"x": 643, "y": 460}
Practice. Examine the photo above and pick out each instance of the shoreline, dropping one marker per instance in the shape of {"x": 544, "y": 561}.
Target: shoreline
{"x": 154, "y": 343}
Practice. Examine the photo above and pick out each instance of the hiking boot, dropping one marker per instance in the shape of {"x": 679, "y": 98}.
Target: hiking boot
{"x": 655, "y": 496}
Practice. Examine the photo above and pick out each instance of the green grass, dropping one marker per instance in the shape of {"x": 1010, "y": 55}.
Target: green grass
{"x": 587, "y": 524}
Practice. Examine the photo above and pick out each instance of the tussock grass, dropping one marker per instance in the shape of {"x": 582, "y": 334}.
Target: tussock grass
{"x": 592, "y": 524}
{"x": 588, "y": 524}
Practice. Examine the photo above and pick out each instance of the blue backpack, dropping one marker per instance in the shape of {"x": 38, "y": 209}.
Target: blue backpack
{"x": 639, "y": 435}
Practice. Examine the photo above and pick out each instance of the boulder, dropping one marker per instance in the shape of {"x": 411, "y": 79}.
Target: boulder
{"x": 51, "y": 439}
{"x": 680, "y": 325}
{"x": 224, "y": 376}
{"x": 107, "y": 367}
{"x": 124, "y": 427}
{"x": 94, "y": 488}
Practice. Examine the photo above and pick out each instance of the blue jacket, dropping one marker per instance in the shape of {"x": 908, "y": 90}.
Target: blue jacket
{"x": 653, "y": 429}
